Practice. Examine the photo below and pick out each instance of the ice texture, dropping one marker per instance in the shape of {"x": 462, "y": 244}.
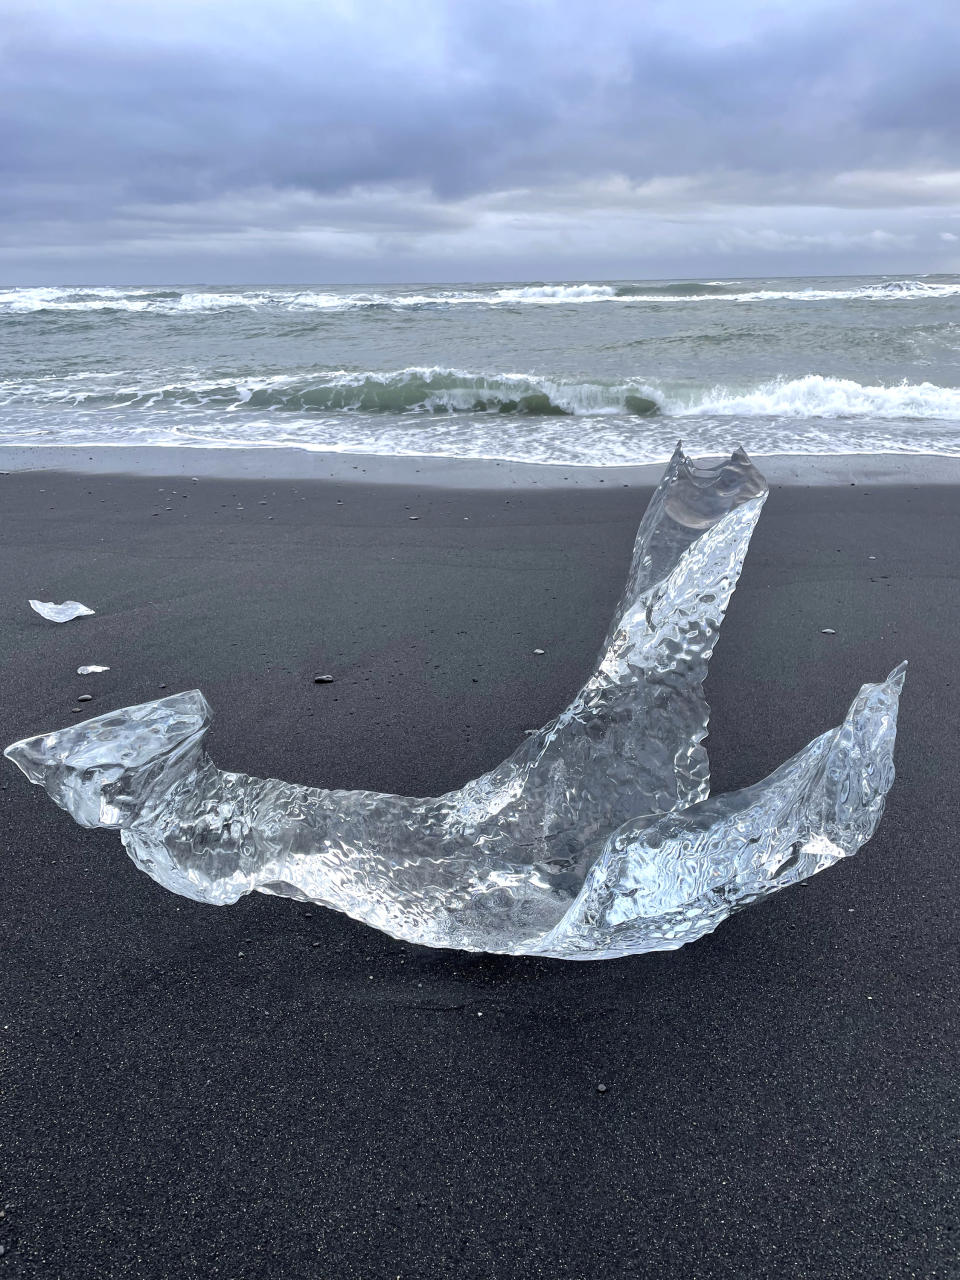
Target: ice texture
{"x": 659, "y": 882}
{"x": 91, "y": 669}
{"x": 65, "y": 612}
{"x": 595, "y": 839}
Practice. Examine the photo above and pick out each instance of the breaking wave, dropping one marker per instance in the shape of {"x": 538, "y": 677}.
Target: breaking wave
{"x": 818, "y": 397}
{"x": 440, "y": 391}
{"x": 402, "y": 391}
{"x": 182, "y": 302}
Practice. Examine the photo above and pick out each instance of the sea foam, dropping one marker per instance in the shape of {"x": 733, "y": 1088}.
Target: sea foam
{"x": 439, "y": 390}
{"x": 204, "y": 301}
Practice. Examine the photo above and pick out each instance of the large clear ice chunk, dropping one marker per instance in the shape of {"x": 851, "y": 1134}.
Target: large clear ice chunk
{"x": 594, "y": 839}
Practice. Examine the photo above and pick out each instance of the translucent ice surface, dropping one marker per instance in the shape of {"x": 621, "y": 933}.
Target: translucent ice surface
{"x": 65, "y": 612}
{"x": 596, "y": 838}
{"x": 659, "y": 882}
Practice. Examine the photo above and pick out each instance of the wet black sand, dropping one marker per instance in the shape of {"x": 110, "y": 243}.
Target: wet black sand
{"x": 193, "y": 1092}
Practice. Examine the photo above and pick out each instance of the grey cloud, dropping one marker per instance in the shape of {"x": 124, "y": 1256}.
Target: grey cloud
{"x": 149, "y": 122}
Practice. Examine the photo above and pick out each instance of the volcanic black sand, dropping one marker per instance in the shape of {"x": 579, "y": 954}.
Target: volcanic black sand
{"x": 274, "y": 1090}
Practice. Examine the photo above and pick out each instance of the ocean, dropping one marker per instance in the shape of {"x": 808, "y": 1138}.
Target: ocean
{"x": 599, "y": 373}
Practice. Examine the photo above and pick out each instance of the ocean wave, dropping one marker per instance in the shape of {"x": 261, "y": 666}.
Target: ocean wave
{"x": 817, "y": 397}
{"x": 678, "y": 291}
{"x": 26, "y": 300}
{"x": 437, "y": 391}
{"x": 198, "y": 301}
{"x": 401, "y": 391}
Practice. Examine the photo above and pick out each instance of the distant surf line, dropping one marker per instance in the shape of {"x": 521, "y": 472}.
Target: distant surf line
{"x": 172, "y": 302}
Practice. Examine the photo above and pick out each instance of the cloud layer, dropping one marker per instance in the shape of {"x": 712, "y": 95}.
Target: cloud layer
{"x": 453, "y": 139}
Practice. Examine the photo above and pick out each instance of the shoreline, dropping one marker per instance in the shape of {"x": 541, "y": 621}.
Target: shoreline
{"x": 285, "y": 463}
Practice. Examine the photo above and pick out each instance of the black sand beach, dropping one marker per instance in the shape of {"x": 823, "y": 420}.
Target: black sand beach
{"x": 273, "y": 1090}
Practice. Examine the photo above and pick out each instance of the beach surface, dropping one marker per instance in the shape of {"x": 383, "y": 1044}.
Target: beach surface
{"x": 273, "y": 1090}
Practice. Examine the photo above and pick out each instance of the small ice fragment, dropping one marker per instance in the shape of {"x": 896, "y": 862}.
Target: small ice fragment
{"x": 90, "y": 670}
{"x": 65, "y": 612}
{"x": 827, "y": 631}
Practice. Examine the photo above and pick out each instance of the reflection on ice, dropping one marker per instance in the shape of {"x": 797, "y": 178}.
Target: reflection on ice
{"x": 596, "y": 838}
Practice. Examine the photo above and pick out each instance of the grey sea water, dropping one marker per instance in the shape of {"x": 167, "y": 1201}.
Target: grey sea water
{"x": 604, "y": 373}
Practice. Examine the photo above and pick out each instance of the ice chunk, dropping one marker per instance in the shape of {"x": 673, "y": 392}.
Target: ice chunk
{"x": 594, "y": 839}
{"x": 661, "y": 882}
{"x": 90, "y": 670}
{"x": 65, "y": 612}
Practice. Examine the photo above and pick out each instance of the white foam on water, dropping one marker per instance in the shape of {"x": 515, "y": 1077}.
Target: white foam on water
{"x": 174, "y": 302}
{"x": 588, "y": 440}
{"x": 814, "y": 396}
{"x": 438, "y": 389}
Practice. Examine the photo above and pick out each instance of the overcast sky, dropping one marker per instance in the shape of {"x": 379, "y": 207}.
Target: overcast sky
{"x": 163, "y": 141}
